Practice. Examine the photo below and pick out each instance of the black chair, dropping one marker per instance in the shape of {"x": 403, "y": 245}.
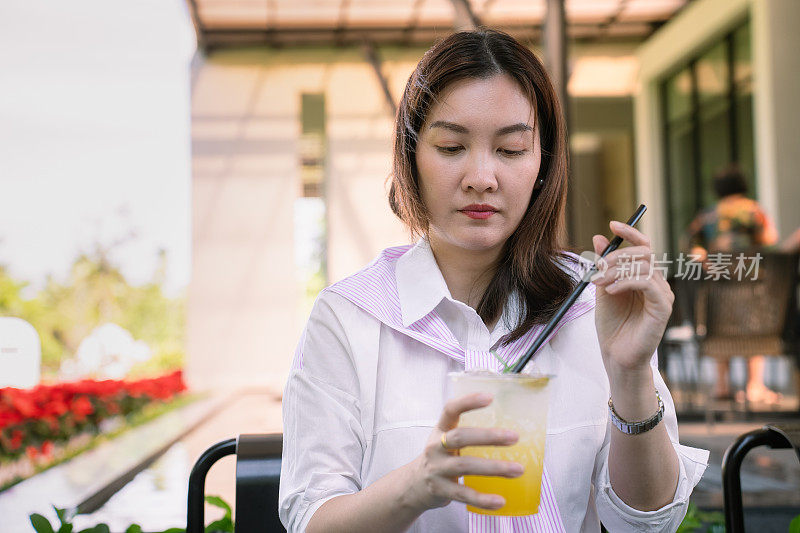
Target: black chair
{"x": 258, "y": 474}
{"x": 775, "y": 437}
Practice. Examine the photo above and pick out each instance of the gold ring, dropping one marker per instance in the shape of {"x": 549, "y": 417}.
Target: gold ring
{"x": 444, "y": 445}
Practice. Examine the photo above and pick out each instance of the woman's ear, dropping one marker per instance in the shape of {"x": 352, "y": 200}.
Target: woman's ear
{"x": 539, "y": 183}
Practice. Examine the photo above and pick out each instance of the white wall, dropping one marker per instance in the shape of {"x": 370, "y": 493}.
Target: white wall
{"x": 244, "y": 313}
{"x": 776, "y": 42}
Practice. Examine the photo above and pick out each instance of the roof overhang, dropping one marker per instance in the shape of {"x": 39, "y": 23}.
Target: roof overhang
{"x": 280, "y": 23}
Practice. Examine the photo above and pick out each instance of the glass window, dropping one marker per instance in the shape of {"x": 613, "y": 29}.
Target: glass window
{"x": 681, "y": 194}
{"x": 743, "y": 104}
{"x": 712, "y": 73}
{"x": 310, "y": 210}
{"x": 745, "y": 145}
{"x": 742, "y": 61}
{"x": 708, "y": 114}
{"x": 679, "y": 95}
{"x": 715, "y": 144}
{"x": 312, "y": 145}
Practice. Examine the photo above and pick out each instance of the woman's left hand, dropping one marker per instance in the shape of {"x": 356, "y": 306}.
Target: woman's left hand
{"x": 634, "y": 301}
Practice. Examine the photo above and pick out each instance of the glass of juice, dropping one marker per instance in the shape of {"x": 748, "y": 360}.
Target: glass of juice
{"x": 519, "y": 404}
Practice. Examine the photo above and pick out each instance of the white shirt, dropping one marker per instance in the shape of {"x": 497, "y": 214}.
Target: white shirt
{"x": 367, "y": 397}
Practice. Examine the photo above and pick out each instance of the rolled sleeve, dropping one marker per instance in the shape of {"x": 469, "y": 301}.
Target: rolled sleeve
{"x": 323, "y": 441}
{"x": 615, "y": 514}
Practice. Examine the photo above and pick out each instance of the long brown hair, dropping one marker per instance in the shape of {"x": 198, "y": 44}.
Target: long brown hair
{"x": 528, "y": 261}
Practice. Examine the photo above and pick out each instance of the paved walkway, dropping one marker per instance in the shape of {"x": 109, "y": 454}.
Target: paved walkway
{"x": 156, "y": 498}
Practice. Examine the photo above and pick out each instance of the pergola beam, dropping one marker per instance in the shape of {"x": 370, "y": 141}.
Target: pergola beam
{"x": 371, "y": 54}
{"x": 555, "y": 47}
{"x": 555, "y": 53}
{"x": 464, "y": 17}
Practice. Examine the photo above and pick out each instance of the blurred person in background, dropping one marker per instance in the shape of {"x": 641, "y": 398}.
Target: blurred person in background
{"x": 735, "y": 223}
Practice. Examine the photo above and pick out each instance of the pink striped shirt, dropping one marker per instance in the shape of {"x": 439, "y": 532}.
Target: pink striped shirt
{"x": 367, "y": 386}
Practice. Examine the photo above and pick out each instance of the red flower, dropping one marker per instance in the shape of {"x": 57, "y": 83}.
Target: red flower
{"x": 9, "y": 418}
{"x": 24, "y": 405}
{"x": 57, "y": 406}
{"x": 81, "y": 408}
{"x": 55, "y": 411}
{"x": 47, "y": 448}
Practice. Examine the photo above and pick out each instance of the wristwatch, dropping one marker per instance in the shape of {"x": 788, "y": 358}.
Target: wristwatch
{"x": 635, "y": 428}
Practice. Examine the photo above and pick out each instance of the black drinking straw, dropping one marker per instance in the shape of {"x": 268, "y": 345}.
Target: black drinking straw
{"x": 551, "y": 324}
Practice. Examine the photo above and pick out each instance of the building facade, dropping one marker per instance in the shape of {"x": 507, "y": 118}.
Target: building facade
{"x": 292, "y": 151}
{"x": 718, "y": 84}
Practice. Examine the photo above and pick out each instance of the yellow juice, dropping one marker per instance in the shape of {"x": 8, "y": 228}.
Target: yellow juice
{"x": 519, "y": 404}
{"x": 521, "y": 493}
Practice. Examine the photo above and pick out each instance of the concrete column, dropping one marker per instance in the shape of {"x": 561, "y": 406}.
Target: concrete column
{"x": 555, "y": 48}
{"x": 776, "y": 66}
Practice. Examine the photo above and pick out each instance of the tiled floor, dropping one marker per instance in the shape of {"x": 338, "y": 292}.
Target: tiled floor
{"x": 156, "y": 498}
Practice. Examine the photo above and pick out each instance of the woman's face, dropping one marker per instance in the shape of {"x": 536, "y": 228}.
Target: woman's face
{"x": 478, "y": 157}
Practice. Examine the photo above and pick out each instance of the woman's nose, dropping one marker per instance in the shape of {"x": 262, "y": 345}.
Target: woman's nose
{"x": 480, "y": 175}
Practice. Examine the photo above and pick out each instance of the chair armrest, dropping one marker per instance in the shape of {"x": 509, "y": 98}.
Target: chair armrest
{"x": 195, "y": 510}
{"x": 731, "y": 466}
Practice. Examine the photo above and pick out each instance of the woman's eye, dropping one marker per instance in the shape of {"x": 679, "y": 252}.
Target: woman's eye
{"x": 512, "y": 152}
{"x": 449, "y": 149}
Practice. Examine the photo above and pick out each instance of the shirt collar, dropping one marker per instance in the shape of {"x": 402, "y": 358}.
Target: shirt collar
{"x": 420, "y": 284}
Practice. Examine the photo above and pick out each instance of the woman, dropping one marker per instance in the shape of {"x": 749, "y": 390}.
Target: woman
{"x": 735, "y": 223}
{"x": 370, "y": 441}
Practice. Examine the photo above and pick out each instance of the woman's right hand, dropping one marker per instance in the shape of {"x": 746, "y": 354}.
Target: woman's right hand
{"x": 436, "y": 471}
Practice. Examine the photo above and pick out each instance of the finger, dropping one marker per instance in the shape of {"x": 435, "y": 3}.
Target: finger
{"x": 462, "y": 493}
{"x": 599, "y": 242}
{"x": 639, "y": 269}
{"x": 629, "y": 254}
{"x": 651, "y": 291}
{"x": 466, "y": 465}
{"x": 657, "y": 274}
{"x": 629, "y": 233}
{"x": 453, "y": 408}
{"x": 607, "y": 277}
{"x": 471, "y": 436}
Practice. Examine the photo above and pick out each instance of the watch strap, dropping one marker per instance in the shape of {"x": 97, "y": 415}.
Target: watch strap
{"x": 636, "y": 428}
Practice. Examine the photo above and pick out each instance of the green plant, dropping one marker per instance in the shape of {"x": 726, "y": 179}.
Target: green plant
{"x": 703, "y": 521}
{"x": 794, "y": 526}
{"x": 42, "y": 525}
{"x": 224, "y": 524}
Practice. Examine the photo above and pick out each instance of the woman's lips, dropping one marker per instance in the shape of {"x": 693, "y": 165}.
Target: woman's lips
{"x": 479, "y": 211}
{"x": 478, "y": 214}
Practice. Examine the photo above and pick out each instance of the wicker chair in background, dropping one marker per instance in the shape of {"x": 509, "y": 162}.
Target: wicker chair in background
{"x": 749, "y": 317}
{"x": 678, "y": 341}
